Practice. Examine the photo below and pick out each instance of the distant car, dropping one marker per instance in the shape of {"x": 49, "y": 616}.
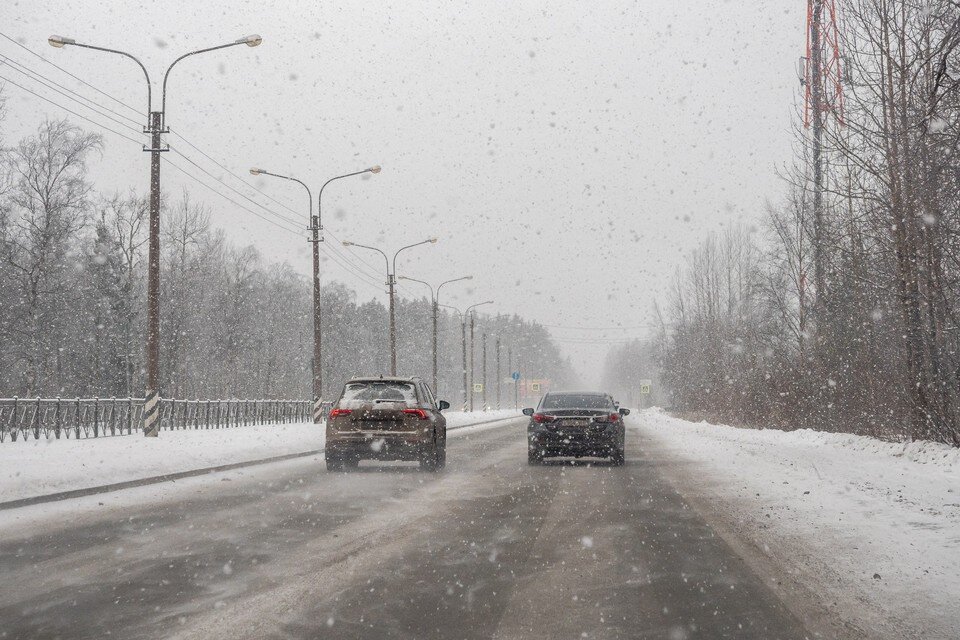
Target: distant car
{"x": 386, "y": 418}
{"x": 576, "y": 424}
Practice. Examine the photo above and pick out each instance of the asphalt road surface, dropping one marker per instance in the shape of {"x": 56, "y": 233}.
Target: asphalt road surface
{"x": 489, "y": 548}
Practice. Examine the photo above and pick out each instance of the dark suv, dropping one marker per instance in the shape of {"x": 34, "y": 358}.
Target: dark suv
{"x": 386, "y": 418}
{"x": 576, "y": 424}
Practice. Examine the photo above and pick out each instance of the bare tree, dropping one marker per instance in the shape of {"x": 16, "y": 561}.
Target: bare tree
{"x": 49, "y": 205}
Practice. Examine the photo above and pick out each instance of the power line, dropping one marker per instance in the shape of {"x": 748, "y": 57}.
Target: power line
{"x": 80, "y": 80}
{"x": 47, "y": 82}
{"x": 127, "y": 126}
{"x": 214, "y": 161}
{"x": 335, "y": 254}
{"x": 344, "y": 258}
{"x": 70, "y": 111}
{"x": 228, "y": 198}
{"x": 139, "y": 143}
{"x": 242, "y": 195}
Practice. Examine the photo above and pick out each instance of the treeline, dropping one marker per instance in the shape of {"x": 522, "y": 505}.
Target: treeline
{"x": 72, "y": 299}
{"x": 844, "y": 315}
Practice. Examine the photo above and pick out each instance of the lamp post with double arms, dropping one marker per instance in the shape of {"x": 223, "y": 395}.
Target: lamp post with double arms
{"x": 315, "y": 239}
{"x": 463, "y": 344}
{"x": 435, "y": 298}
{"x": 391, "y": 283}
{"x": 156, "y": 126}
{"x": 472, "y": 319}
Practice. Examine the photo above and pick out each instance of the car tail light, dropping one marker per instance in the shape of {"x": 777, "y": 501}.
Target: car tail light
{"x": 612, "y": 417}
{"x": 542, "y": 418}
{"x": 420, "y": 413}
{"x": 339, "y": 412}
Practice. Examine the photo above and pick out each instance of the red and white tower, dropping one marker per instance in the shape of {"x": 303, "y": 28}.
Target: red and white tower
{"x": 824, "y": 96}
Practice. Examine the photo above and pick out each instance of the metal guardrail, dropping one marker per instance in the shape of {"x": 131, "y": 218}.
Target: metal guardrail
{"x": 53, "y": 418}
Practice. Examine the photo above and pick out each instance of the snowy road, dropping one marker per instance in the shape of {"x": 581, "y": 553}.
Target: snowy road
{"x": 489, "y": 548}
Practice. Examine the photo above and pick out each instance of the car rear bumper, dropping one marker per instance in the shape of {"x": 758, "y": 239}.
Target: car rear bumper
{"x": 583, "y": 444}
{"x": 375, "y": 445}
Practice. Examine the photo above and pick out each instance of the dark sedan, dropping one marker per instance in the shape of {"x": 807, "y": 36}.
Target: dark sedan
{"x": 576, "y": 424}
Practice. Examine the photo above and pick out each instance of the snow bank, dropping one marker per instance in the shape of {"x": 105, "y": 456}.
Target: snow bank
{"x": 872, "y": 527}
{"x": 38, "y": 467}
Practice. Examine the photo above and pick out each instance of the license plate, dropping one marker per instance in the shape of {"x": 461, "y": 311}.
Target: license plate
{"x": 575, "y": 422}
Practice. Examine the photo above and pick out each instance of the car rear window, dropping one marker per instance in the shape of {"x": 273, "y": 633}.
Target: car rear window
{"x": 379, "y": 391}
{"x": 577, "y": 401}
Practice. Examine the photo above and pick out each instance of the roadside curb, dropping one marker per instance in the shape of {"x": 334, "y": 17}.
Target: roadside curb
{"x": 170, "y": 477}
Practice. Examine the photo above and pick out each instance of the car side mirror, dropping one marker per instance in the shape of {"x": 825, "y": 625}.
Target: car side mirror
{"x": 624, "y": 412}
{"x": 528, "y": 411}
{"x": 443, "y": 404}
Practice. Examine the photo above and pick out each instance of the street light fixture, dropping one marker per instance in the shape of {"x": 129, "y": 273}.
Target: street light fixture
{"x": 435, "y": 298}
{"x": 315, "y": 227}
{"x": 156, "y": 126}
{"x": 59, "y": 41}
{"x": 391, "y": 282}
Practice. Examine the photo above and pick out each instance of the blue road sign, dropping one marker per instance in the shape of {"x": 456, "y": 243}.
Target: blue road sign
{"x": 515, "y": 375}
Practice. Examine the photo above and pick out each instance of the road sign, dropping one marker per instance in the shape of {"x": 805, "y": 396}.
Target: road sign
{"x": 515, "y": 375}
{"x": 645, "y": 386}
{"x": 534, "y": 386}
{"x": 478, "y": 388}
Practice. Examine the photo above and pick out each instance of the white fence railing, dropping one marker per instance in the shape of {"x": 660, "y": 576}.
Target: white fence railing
{"x": 53, "y": 418}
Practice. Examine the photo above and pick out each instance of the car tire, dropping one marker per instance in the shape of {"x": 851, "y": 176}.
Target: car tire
{"x": 534, "y": 456}
{"x": 442, "y": 456}
{"x": 618, "y": 457}
{"x": 429, "y": 457}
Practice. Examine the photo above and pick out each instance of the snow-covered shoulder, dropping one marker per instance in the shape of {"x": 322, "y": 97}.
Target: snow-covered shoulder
{"x": 874, "y": 526}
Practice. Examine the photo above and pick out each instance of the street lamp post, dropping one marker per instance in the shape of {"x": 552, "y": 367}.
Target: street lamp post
{"x": 463, "y": 345}
{"x": 435, "y": 298}
{"x": 391, "y": 283}
{"x": 315, "y": 228}
{"x": 472, "y": 319}
{"x": 156, "y": 126}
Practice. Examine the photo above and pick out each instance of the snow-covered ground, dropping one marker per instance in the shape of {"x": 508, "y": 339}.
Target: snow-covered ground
{"x": 871, "y": 529}
{"x": 39, "y": 467}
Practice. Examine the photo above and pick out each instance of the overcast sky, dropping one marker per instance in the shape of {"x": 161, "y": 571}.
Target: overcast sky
{"x": 567, "y": 154}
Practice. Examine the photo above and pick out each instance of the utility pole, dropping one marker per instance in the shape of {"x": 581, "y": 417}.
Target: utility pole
{"x": 151, "y": 403}
{"x": 391, "y": 282}
{"x": 483, "y": 341}
{"x": 435, "y": 297}
{"x": 317, "y": 227}
{"x": 511, "y": 369}
{"x": 436, "y": 309}
{"x": 393, "y": 326}
{"x": 472, "y": 355}
{"x": 156, "y": 126}
{"x": 498, "y": 372}
{"x": 468, "y": 386}
{"x": 463, "y": 333}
